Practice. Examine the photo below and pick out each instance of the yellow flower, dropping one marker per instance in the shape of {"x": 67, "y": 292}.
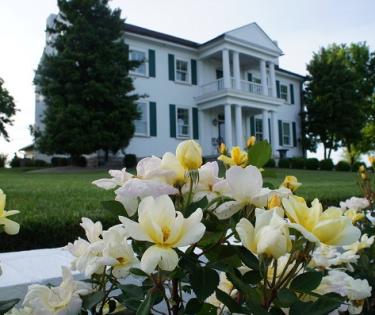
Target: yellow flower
{"x": 222, "y": 148}
{"x": 170, "y": 162}
{"x": 10, "y": 227}
{"x": 237, "y": 157}
{"x": 159, "y": 223}
{"x": 371, "y": 159}
{"x": 354, "y": 215}
{"x": 189, "y": 154}
{"x": 274, "y": 201}
{"x": 269, "y": 237}
{"x": 362, "y": 169}
{"x": 329, "y": 227}
{"x": 250, "y": 141}
{"x": 291, "y": 183}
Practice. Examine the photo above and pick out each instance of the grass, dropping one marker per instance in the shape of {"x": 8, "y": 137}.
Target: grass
{"x": 52, "y": 204}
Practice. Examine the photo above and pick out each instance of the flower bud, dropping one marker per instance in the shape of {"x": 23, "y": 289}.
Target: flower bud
{"x": 189, "y": 154}
{"x": 291, "y": 183}
{"x": 222, "y": 149}
{"x": 250, "y": 141}
{"x": 274, "y": 201}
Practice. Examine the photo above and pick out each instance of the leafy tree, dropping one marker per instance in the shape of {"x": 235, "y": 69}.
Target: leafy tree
{"x": 84, "y": 80}
{"x": 7, "y": 110}
{"x": 338, "y": 95}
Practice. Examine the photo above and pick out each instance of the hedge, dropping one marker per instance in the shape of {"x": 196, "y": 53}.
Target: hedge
{"x": 326, "y": 165}
{"x": 343, "y": 166}
{"x": 312, "y": 164}
{"x": 270, "y": 164}
{"x": 297, "y": 163}
{"x": 284, "y": 163}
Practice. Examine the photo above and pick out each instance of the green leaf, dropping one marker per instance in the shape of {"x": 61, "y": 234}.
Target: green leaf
{"x": 193, "y": 306}
{"x": 5, "y": 306}
{"x": 228, "y": 302}
{"x": 208, "y": 309}
{"x": 132, "y": 291}
{"x": 138, "y": 272}
{"x": 202, "y": 203}
{"x": 252, "y": 277}
{"x": 204, "y": 281}
{"x": 92, "y": 299}
{"x": 306, "y": 282}
{"x": 248, "y": 258}
{"x": 259, "y": 154}
{"x": 325, "y": 304}
{"x": 152, "y": 296}
{"x": 286, "y": 297}
{"x": 210, "y": 238}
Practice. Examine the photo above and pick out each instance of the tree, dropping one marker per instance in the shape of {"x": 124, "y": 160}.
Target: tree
{"x": 85, "y": 83}
{"x": 338, "y": 95}
{"x": 7, "y": 110}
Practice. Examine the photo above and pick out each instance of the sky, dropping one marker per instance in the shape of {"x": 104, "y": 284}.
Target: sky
{"x": 301, "y": 27}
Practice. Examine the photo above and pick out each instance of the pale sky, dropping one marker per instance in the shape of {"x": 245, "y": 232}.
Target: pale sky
{"x": 299, "y": 26}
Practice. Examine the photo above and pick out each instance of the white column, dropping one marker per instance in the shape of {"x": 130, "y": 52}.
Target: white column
{"x": 239, "y": 130}
{"x": 274, "y": 133}
{"x": 272, "y": 79}
{"x": 263, "y": 76}
{"x": 228, "y": 125}
{"x": 265, "y": 125}
{"x": 226, "y": 68}
{"x": 236, "y": 70}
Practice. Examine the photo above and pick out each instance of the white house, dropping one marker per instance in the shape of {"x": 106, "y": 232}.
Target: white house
{"x": 223, "y": 90}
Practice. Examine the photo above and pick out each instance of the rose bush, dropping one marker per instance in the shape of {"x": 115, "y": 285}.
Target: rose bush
{"x": 191, "y": 242}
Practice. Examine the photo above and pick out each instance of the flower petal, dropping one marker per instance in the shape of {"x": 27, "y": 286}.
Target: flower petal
{"x": 306, "y": 234}
{"x": 246, "y": 233}
{"x": 165, "y": 258}
{"x": 105, "y": 183}
{"x": 227, "y": 209}
{"x": 10, "y": 227}
{"x": 134, "y": 230}
{"x": 192, "y": 230}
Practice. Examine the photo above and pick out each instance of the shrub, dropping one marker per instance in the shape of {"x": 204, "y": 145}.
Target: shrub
{"x": 312, "y": 164}
{"x": 284, "y": 163}
{"x": 297, "y": 163}
{"x": 59, "y": 161}
{"x": 16, "y": 161}
{"x": 271, "y": 163}
{"x": 357, "y": 165}
{"x": 3, "y": 158}
{"x": 81, "y": 161}
{"x": 326, "y": 165}
{"x": 130, "y": 160}
{"x": 343, "y": 166}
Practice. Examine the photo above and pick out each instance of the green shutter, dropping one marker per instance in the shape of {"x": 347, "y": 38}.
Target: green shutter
{"x": 269, "y": 130}
{"x": 171, "y": 67}
{"x": 249, "y": 76}
{"x": 151, "y": 63}
{"x": 252, "y": 126}
{"x": 194, "y": 80}
{"x": 195, "y": 123}
{"x": 291, "y": 87}
{"x": 280, "y": 123}
{"x": 172, "y": 120}
{"x": 153, "y": 119}
{"x": 294, "y": 134}
{"x": 278, "y": 88}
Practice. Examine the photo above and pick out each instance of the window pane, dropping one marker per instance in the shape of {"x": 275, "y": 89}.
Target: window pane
{"x": 183, "y": 122}
{"x": 258, "y": 125}
{"x": 181, "y": 70}
{"x": 284, "y": 92}
{"x": 286, "y": 133}
{"x": 181, "y": 65}
{"x": 138, "y": 56}
{"x": 141, "y": 123}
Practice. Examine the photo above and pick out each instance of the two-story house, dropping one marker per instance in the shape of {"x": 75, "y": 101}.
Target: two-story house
{"x": 223, "y": 90}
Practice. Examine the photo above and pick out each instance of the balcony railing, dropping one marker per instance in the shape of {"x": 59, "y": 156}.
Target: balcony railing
{"x": 245, "y": 86}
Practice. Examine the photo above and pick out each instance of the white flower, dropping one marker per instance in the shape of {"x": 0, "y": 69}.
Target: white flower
{"x": 21, "y": 311}
{"x": 326, "y": 256}
{"x": 118, "y": 179}
{"x": 354, "y": 203}
{"x": 10, "y": 227}
{"x": 62, "y": 300}
{"x": 364, "y": 242}
{"x": 159, "y": 223}
{"x": 224, "y": 285}
{"x": 341, "y": 283}
{"x": 151, "y": 180}
{"x": 270, "y": 236}
{"x": 93, "y": 230}
{"x": 244, "y": 185}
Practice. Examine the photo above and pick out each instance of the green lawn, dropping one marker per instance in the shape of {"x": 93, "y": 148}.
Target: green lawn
{"x": 52, "y": 204}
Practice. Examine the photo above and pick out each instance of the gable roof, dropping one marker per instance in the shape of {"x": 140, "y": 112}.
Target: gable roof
{"x": 158, "y": 35}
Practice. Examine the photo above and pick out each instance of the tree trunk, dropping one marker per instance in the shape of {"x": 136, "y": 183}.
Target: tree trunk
{"x": 325, "y": 150}
{"x": 106, "y": 156}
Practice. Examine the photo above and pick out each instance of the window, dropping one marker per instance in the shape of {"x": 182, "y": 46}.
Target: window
{"x": 284, "y": 92}
{"x": 183, "y": 123}
{"x": 182, "y": 70}
{"x": 259, "y": 129}
{"x": 286, "y": 133}
{"x": 257, "y": 80}
{"x": 141, "y": 124}
{"x": 138, "y": 55}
